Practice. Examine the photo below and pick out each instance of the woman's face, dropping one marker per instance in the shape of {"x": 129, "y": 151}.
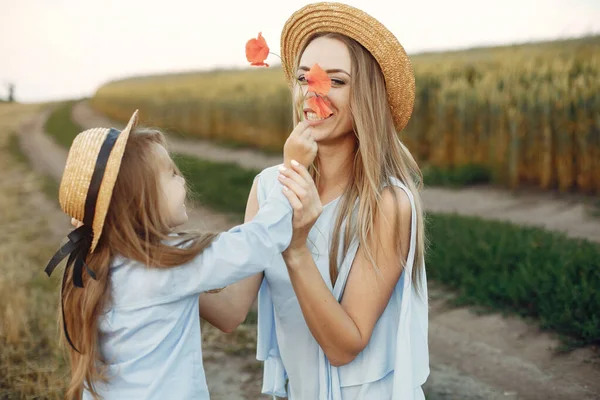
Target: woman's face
{"x": 333, "y": 56}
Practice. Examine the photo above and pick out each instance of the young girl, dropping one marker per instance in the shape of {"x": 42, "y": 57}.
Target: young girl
{"x": 343, "y": 315}
{"x": 131, "y": 286}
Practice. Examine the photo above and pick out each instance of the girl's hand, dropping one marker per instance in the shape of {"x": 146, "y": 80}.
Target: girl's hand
{"x": 300, "y": 146}
{"x": 304, "y": 198}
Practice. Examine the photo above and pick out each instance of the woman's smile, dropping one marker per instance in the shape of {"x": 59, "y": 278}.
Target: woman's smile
{"x": 310, "y": 115}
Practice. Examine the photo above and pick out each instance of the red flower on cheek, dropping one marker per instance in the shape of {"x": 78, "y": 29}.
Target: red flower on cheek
{"x": 257, "y": 51}
{"x": 320, "y": 106}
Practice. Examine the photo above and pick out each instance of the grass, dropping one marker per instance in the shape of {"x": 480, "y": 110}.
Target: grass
{"x": 222, "y": 186}
{"x": 527, "y": 271}
{"x": 61, "y": 126}
{"x": 31, "y": 362}
{"x": 596, "y": 209}
{"x": 49, "y": 186}
{"x": 465, "y": 175}
{"x": 14, "y": 149}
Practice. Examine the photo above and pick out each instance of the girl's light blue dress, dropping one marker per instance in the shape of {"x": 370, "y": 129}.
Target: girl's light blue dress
{"x": 150, "y": 332}
{"x": 394, "y": 364}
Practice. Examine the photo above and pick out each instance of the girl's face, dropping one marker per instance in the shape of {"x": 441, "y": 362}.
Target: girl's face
{"x": 173, "y": 188}
{"x": 333, "y": 56}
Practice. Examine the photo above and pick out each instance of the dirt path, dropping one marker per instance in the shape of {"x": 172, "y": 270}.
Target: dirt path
{"x": 472, "y": 357}
{"x": 511, "y": 356}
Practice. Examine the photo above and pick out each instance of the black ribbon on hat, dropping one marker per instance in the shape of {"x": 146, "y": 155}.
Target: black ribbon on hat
{"x": 80, "y": 239}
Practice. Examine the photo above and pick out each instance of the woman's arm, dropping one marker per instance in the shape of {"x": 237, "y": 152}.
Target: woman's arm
{"x": 344, "y": 329}
{"x": 228, "y": 308}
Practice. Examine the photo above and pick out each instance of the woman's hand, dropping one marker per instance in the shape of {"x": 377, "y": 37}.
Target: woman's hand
{"x": 300, "y": 146}
{"x": 304, "y": 198}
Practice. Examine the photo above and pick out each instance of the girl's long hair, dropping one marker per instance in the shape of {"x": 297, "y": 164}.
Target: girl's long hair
{"x": 134, "y": 229}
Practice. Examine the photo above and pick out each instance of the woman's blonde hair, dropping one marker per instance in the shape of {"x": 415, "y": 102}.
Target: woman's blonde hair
{"x": 380, "y": 156}
{"x": 134, "y": 229}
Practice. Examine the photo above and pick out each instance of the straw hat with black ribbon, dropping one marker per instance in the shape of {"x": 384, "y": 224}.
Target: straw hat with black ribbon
{"x": 85, "y": 191}
{"x": 366, "y": 30}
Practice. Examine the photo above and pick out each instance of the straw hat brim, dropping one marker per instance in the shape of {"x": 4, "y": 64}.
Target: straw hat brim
{"x": 79, "y": 168}
{"x": 366, "y": 30}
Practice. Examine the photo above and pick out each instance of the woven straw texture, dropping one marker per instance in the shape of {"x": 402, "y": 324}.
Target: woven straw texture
{"x": 78, "y": 172}
{"x": 366, "y": 30}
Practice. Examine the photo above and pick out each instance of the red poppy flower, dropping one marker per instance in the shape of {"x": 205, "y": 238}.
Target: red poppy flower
{"x": 257, "y": 51}
{"x": 318, "y": 80}
{"x": 320, "y": 106}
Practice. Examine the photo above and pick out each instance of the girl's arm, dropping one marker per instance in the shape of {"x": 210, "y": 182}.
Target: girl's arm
{"x": 344, "y": 329}
{"x": 228, "y": 308}
{"x": 241, "y": 252}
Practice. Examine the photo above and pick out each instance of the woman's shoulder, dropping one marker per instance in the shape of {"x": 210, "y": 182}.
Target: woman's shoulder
{"x": 396, "y": 182}
{"x": 400, "y": 189}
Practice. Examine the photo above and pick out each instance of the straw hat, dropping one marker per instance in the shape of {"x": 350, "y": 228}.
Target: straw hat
{"x": 366, "y": 30}
{"x": 95, "y": 153}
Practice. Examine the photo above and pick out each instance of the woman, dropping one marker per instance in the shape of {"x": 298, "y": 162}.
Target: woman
{"x": 342, "y": 313}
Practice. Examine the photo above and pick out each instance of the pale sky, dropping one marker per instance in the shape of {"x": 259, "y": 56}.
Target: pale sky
{"x": 59, "y": 49}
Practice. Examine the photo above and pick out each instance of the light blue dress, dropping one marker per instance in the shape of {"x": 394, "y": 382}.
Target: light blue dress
{"x": 150, "y": 332}
{"x": 393, "y": 365}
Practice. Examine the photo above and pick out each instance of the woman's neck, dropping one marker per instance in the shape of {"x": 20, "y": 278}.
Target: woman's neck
{"x": 335, "y": 168}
